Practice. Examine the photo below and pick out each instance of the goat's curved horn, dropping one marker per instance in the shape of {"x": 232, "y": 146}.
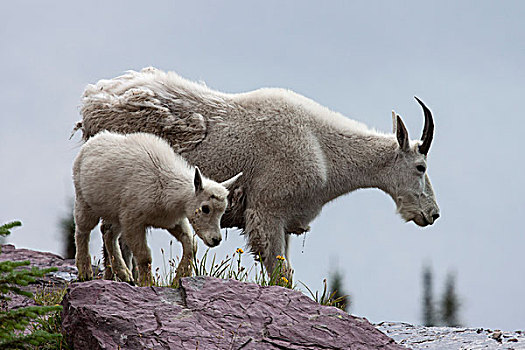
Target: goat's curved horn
{"x": 428, "y": 130}
{"x": 228, "y": 183}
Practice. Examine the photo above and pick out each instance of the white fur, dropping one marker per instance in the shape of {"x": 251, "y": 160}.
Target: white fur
{"x": 137, "y": 181}
{"x": 296, "y": 155}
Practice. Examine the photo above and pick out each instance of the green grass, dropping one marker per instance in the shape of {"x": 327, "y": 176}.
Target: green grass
{"x": 326, "y": 298}
{"x": 231, "y": 267}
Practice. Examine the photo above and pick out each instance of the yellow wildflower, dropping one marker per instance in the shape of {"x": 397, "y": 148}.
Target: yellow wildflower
{"x": 284, "y": 279}
{"x": 239, "y": 251}
{"x": 279, "y": 257}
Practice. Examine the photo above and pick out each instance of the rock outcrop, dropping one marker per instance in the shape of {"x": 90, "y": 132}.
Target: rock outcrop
{"x": 66, "y": 272}
{"x": 439, "y": 338}
{"x": 209, "y": 313}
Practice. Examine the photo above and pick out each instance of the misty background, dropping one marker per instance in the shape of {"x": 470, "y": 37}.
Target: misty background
{"x": 465, "y": 59}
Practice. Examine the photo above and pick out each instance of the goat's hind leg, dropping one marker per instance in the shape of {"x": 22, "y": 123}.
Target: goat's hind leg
{"x": 108, "y": 272}
{"x": 127, "y": 256}
{"x": 85, "y": 221}
{"x": 115, "y": 264}
{"x": 182, "y": 232}
{"x": 135, "y": 237}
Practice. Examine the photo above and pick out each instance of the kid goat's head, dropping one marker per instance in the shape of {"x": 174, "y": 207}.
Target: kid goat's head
{"x": 208, "y": 206}
{"x": 412, "y": 190}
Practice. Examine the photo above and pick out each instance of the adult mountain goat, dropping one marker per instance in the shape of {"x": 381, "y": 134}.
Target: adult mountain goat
{"x": 295, "y": 154}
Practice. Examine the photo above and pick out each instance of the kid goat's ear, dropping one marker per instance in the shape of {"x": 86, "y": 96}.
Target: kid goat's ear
{"x": 197, "y": 181}
{"x": 228, "y": 183}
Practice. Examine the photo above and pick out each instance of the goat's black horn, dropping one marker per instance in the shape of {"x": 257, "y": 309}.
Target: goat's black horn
{"x": 428, "y": 130}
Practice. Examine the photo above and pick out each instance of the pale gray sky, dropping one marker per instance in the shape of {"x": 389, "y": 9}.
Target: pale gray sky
{"x": 465, "y": 59}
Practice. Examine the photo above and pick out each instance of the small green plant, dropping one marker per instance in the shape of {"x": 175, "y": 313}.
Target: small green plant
{"x": 19, "y": 327}
{"x": 49, "y": 295}
{"x": 168, "y": 277}
{"x": 51, "y": 322}
{"x": 276, "y": 278}
{"x": 228, "y": 268}
{"x": 329, "y": 299}
{"x": 231, "y": 268}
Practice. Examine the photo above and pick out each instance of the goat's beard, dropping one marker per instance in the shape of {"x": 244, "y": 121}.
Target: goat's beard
{"x": 410, "y": 212}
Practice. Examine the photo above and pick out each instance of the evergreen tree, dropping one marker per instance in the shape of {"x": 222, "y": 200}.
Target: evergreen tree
{"x": 336, "y": 286}
{"x": 14, "y": 322}
{"x": 450, "y": 304}
{"x": 429, "y": 317}
{"x": 67, "y": 228}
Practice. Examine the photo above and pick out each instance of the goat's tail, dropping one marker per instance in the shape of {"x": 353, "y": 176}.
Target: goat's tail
{"x": 78, "y": 125}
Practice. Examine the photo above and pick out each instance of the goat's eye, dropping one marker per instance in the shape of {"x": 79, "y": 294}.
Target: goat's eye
{"x": 421, "y": 168}
{"x": 205, "y": 209}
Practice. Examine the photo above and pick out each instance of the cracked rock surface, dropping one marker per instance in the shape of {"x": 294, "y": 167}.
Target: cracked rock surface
{"x": 209, "y": 313}
{"x": 434, "y": 338}
{"x": 217, "y": 314}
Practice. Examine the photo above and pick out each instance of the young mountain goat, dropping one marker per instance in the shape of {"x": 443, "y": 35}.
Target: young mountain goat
{"x": 296, "y": 155}
{"x": 135, "y": 181}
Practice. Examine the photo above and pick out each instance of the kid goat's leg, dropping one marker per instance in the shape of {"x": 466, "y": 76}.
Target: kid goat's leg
{"x": 85, "y": 221}
{"x": 182, "y": 232}
{"x": 108, "y": 271}
{"x": 135, "y": 237}
{"x": 117, "y": 264}
{"x": 124, "y": 250}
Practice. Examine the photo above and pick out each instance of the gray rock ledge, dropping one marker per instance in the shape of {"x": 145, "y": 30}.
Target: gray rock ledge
{"x": 441, "y": 338}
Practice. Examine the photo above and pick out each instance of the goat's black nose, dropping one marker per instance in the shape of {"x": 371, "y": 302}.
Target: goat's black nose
{"x": 435, "y": 217}
{"x": 216, "y": 241}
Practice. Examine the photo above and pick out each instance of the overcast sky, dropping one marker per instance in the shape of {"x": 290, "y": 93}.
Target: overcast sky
{"x": 465, "y": 59}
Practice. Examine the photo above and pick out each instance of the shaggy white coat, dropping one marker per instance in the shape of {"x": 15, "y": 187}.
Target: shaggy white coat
{"x": 296, "y": 155}
{"x": 137, "y": 181}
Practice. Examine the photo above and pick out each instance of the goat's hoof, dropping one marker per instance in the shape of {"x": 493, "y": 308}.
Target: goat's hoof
{"x": 84, "y": 278}
{"x": 85, "y": 275}
{"x": 183, "y": 271}
{"x": 129, "y": 281}
{"x": 108, "y": 274}
{"x": 124, "y": 275}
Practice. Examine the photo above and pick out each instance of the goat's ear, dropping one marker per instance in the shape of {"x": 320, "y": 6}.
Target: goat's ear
{"x": 228, "y": 183}
{"x": 197, "y": 181}
{"x": 402, "y": 134}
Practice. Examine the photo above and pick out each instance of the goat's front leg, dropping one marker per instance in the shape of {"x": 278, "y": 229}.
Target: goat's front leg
{"x": 182, "y": 232}
{"x": 135, "y": 237}
{"x": 117, "y": 265}
{"x": 266, "y": 238}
